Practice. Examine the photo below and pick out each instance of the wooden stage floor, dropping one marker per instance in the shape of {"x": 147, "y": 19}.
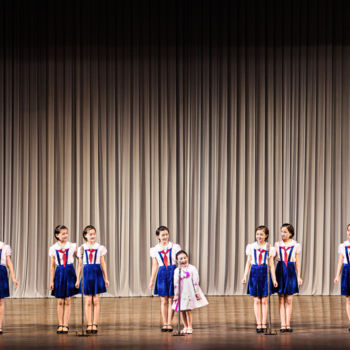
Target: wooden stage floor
{"x": 134, "y": 323}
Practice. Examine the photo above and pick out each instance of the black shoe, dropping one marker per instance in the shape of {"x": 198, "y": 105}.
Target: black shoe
{"x": 94, "y": 331}
{"x": 263, "y": 328}
{"x": 59, "y": 332}
{"x": 2, "y": 332}
{"x": 65, "y": 331}
{"x": 164, "y": 329}
{"x": 88, "y": 331}
{"x": 283, "y": 330}
{"x": 170, "y": 329}
{"x": 289, "y": 330}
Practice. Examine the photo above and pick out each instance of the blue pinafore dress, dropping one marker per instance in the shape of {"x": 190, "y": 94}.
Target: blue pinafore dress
{"x": 165, "y": 279}
{"x": 94, "y": 282}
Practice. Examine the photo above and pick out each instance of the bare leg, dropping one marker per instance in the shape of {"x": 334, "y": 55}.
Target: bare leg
{"x": 289, "y": 309}
{"x": 282, "y": 310}
{"x": 170, "y": 311}
{"x": 88, "y": 303}
{"x": 184, "y": 319}
{"x": 164, "y": 309}
{"x": 264, "y": 311}
{"x": 347, "y": 306}
{"x": 2, "y": 310}
{"x": 189, "y": 318}
{"x": 60, "y": 311}
{"x": 96, "y": 302}
{"x": 257, "y": 311}
{"x": 67, "y": 307}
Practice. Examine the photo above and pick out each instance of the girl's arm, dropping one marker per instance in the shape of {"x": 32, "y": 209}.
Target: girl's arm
{"x": 195, "y": 280}
{"x": 297, "y": 266}
{"x": 11, "y": 270}
{"x": 154, "y": 272}
{"x": 246, "y": 270}
{"x": 52, "y": 272}
{"x": 77, "y": 283}
{"x": 104, "y": 270}
{"x": 340, "y": 265}
{"x": 272, "y": 269}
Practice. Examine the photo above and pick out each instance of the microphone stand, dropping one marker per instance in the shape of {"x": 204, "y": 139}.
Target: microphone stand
{"x": 83, "y": 333}
{"x": 178, "y": 333}
{"x": 269, "y": 330}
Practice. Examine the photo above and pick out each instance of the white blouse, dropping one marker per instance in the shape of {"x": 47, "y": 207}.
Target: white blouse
{"x": 58, "y": 251}
{"x": 254, "y": 250}
{"x": 170, "y": 251}
{"x": 344, "y": 249}
{"x": 291, "y": 248}
{"x": 5, "y": 250}
{"x": 92, "y": 255}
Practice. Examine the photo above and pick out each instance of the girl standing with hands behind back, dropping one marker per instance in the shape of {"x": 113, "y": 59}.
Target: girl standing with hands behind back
{"x": 164, "y": 256}
{"x": 258, "y": 258}
{"x": 92, "y": 256}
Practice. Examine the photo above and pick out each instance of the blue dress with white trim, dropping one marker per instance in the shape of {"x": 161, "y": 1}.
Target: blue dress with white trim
{"x": 345, "y": 275}
{"x": 5, "y": 250}
{"x": 286, "y": 275}
{"x": 257, "y": 284}
{"x": 65, "y": 277}
{"x": 94, "y": 282}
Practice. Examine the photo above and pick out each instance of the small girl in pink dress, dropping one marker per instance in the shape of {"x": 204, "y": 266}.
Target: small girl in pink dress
{"x": 191, "y": 294}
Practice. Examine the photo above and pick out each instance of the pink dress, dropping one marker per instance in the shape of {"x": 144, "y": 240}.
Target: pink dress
{"x": 189, "y": 289}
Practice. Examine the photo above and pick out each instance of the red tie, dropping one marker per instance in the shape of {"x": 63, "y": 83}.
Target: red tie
{"x": 91, "y": 254}
{"x": 165, "y": 258}
{"x": 285, "y": 254}
{"x": 261, "y": 251}
{"x": 63, "y": 251}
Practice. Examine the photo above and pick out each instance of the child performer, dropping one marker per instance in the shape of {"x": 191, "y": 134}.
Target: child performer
{"x": 5, "y": 260}
{"x": 164, "y": 256}
{"x": 62, "y": 281}
{"x": 288, "y": 274}
{"x": 344, "y": 269}
{"x": 258, "y": 257}
{"x": 92, "y": 255}
{"x": 191, "y": 294}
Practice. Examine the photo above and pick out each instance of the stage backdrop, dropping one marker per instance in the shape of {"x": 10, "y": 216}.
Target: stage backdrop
{"x": 208, "y": 117}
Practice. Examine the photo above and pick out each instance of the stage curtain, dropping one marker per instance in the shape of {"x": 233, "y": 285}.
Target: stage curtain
{"x": 208, "y": 117}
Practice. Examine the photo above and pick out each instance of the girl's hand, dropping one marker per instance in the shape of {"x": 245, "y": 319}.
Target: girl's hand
{"x": 275, "y": 284}
{"x": 336, "y": 280}
{"x": 300, "y": 281}
{"x": 176, "y": 298}
{"x": 52, "y": 286}
{"x": 107, "y": 283}
{"x": 77, "y": 284}
{"x": 244, "y": 280}
{"x": 198, "y": 296}
{"x": 15, "y": 282}
{"x": 150, "y": 286}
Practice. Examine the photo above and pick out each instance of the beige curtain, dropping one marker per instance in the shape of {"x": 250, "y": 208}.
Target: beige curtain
{"x": 210, "y": 121}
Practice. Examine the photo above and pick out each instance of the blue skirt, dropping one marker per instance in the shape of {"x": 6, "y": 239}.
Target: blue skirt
{"x": 345, "y": 280}
{"x": 286, "y": 278}
{"x": 257, "y": 284}
{"x": 94, "y": 282}
{"x": 165, "y": 281}
{"x": 64, "y": 281}
{"x": 4, "y": 283}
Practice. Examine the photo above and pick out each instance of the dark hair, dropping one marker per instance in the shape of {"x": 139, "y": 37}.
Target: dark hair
{"x": 58, "y": 229}
{"x": 86, "y": 229}
{"x": 290, "y": 229}
{"x": 347, "y": 226}
{"x": 160, "y": 229}
{"x": 265, "y": 229}
{"x": 181, "y": 252}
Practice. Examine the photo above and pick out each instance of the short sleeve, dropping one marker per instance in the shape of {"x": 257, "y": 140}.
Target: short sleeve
{"x": 153, "y": 252}
{"x": 80, "y": 252}
{"x": 176, "y": 248}
{"x": 272, "y": 252}
{"x": 103, "y": 250}
{"x": 74, "y": 247}
{"x": 340, "y": 249}
{"x": 8, "y": 251}
{"x": 298, "y": 248}
{"x": 248, "y": 249}
{"x": 52, "y": 252}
